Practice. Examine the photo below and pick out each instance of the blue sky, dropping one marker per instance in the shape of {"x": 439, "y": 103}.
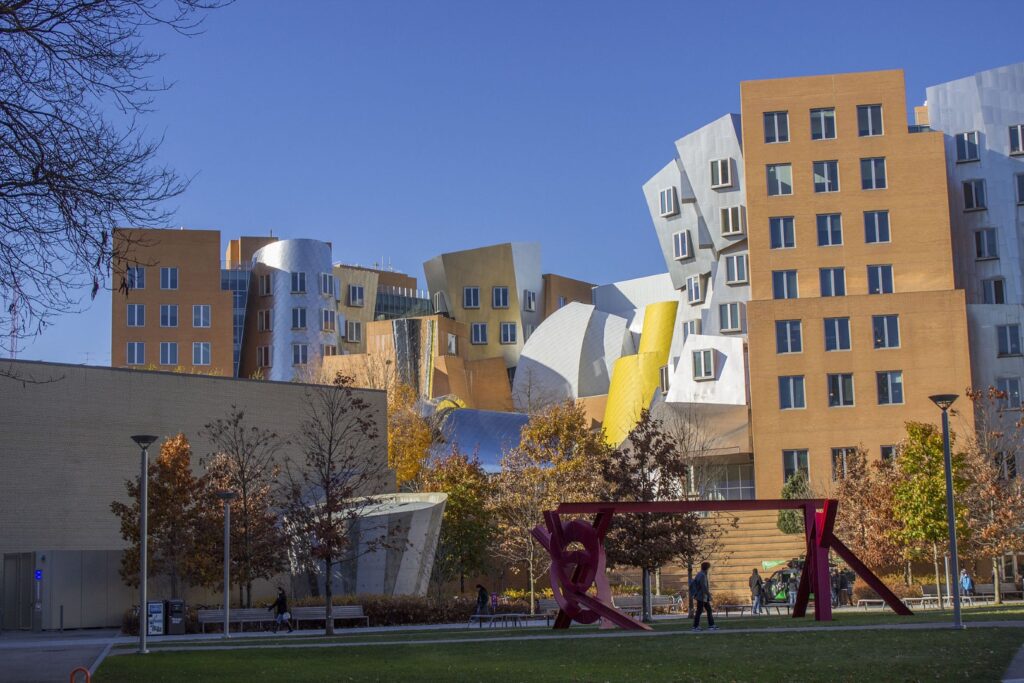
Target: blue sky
{"x": 400, "y": 130}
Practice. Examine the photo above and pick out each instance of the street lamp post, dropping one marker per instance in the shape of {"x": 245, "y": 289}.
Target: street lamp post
{"x": 227, "y": 497}
{"x": 144, "y": 441}
{"x": 944, "y": 401}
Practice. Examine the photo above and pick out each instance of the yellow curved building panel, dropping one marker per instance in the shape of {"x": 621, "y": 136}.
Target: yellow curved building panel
{"x": 659, "y": 324}
{"x": 624, "y": 399}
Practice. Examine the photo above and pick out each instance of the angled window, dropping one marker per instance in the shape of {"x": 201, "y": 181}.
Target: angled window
{"x": 974, "y": 195}
{"x": 788, "y": 336}
{"x": 840, "y": 390}
{"x": 736, "y": 269}
{"x": 266, "y": 285}
{"x": 993, "y": 291}
{"x": 794, "y": 461}
{"x": 784, "y": 284}
{"x": 721, "y": 173}
{"x": 298, "y": 318}
{"x": 830, "y": 229}
{"x": 776, "y": 127}
{"x": 837, "y": 334}
{"x": 200, "y": 353}
{"x": 823, "y": 124}
{"x": 876, "y": 227}
{"x": 791, "y": 392}
{"x": 453, "y": 345}
{"x": 478, "y": 333}
{"x": 681, "y": 247}
{"x": 1010, "y": 388}
{"x": 529, "y": 300}
{"x": 136, "y": 277}
{"x": 832, "y": 281}
{"x": 356, "y": 295}
{"x": 168, "y": 278}
{"x": 880, "y": 279}
{"x": 471, "y": 297}
{"x": 668, "y": 203}
{"x": 730, "y": 317}
{"x": 201, "y": 315}
{"x": 663, "y": 378}
{"x": 780, "y": 179}
{"x": 136, "y": 315}
{"x": 890, "y": 387}
{"x": 732, "y": 220}
{"x": 690, "y": 327}
{"x": 1008, "y": 337}
{"x": 298, "y": 283}
{"x": 1017, "y": 139}
{"x": 300, "y": 354}
{"x": 886, "y": 331}
{"x": 499, "y": 297}
{"x": 869, "y": 120}
{"x": 704, "y": 364}
{"x": 872, "y": 173}
{"x": 508, "y": 333}
{"x": 328, "y": 320}
{"x": 694, "y": 289}
{"x": 839, "y": 456}
{"x": 985, "y": 244}
{"x": 967, "y": 146}
{"x": 783, "y": 235}
{"x": 826, "y": 176}
{"x": 168, "y": 315}
{"x": 168, "y": 353}
{"x": 136, "y": 353}
{"x": 353, "y": 331}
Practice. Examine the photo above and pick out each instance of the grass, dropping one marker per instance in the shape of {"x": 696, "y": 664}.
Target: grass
{"x": 975, "y": 654}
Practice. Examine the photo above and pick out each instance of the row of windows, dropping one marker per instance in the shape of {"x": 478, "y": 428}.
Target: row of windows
{"x": 499, "y": 298}
{"x": 823, "y": 123}
{"x": 168, "y": 353}
{"x": 168, "y": 315}
{"x": 721, "y": 178}
{"x": 968, "y": 147}
{"x": 300, "y": 354}
{"x": 831, "y": 282}
{"x": 507, "y": 331}
{"x": 885, "y": 334}
{"x": 136, "y": 277}
{"x": 795, "y": 460}
{"x": 782, "y": 229}
{"x": 888, "y": 383}
{"x": 826, "y": 176}
{"x": 328, "y": 286}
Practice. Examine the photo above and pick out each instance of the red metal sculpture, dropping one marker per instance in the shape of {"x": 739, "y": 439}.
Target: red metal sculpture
{"x": 578, "y": 559}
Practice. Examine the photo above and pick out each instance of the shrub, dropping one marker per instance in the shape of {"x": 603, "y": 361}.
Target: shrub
{"x": 397, "y": 610}
{"x": 523, "y": 595}
{"x": 895, "y": 582}
{"x": 729, "y": 598}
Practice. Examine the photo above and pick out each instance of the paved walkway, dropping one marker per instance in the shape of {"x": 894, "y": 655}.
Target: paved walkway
{"x": 48, "y": 657}
{"x": 1015, "y": 672}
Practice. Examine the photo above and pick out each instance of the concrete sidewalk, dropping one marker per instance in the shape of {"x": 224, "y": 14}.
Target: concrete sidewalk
{"x": 1015, "y": 672}
{"x": 50, "y": 657}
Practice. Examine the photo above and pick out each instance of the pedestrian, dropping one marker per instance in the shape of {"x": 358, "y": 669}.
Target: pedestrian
{"x": 756, "y": 588}
{"x": 282, "y": 614}
{"x": 966, "y": 583}
{"x": 791, "y": 587}
{"x": 700, "y": 590}
{"x": 482, "y": 598}
{"x": 834, "y": 582}
{"x": 845, "y": 591}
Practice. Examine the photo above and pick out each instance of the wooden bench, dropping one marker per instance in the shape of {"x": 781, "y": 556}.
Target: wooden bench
{"x": 506, "y": 619}
{"x": 319, "y": 613}
{"x": 1006, "y": 589}
{"x": 240, "y": 616}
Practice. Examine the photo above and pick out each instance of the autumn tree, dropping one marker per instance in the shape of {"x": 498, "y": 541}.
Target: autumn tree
{"x": 244, "y": 460}
{"x": 864, "y": 520}
{"x": 796, "y": 487}
{"x": 409, "y": 434}
{"x": 183, "y": 527}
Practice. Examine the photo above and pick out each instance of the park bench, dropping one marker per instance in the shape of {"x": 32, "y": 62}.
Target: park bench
{"x": 732, "y": 608}
{"x": 1006, "y": 589}
{"x": 240, "y": 616}
{"x": 505, "y": 619}
{"x": 338, "y": 612}
{"x": 634, "y": 604}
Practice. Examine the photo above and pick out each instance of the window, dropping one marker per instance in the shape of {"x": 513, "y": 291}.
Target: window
{"x": 732, "y": 220}
{"x": 885, "y": 330}
{"x": 694, "y": 290}
{"x": 721, "y": 173}
{"x": 690, "y": 327}
{"x": 1008, "y": 337}
{"x": 298, "y": 283}
{"x": 300, "y": 354}
{"x": 1020, "y": 188}
{"x": 508, "y": 333}
{"x": 1017, "y": 139}
{"x": 794, "y": 461}
{"x": 263, "y": 356}
{"x": 869, "y": 120}
{"x": 355, "y": 295}
{"x": 780, "y": 179}
{"x": 888, "y": 452}
{"x": 527, "y": 331}
{"x": 826, "y": 176}
{"x": 201, "y": 315}
{"x": 776, "y": 126}
{"x": 499, "y": 297}
{"x": 890, "y": 387}
{"x": 453, "y": 345}
{"x": 668, "y": 204}
{"x": 1007, "y": 464}
{"x": 478, "y": 333}
{"x": 326, "y": 284}
{"x": 839, "y": 456}
{"x": 328, "y": 350}
{"x": 298, "y": 318}
{"x": 788, "y": 336}
{"x": 791, "y": 392}
{"x": 663, "y": 376}
{"x": 266, "y": 285}
{"x": 168, "y": 278}
{"x": 562, "y": 301}
{"x": 837, "y": 334}
{"x": 200, "y": 353}
{"x": 471, "y": 297}
{"x": 784, "y": 284}
{"x": 328, "y": 320}
{"x": 993, "y": 291}
{"x": 736, "y": 269}
{"x": 136, "y": 277}
{"x": 830, "y": 230}
{"x": 872, "y": 173}
{"x": 264, "y": 320}
{"x": 876, "y": 227}
{"x": 967, "y": 146}
{"x": 681, "y": 247}
{"x": 729, "y": 317}
{"x": 136, "y": 315}
{"x": 974, "y": 195}
{"x": 704, "y": 364}
{"x": 353, "y": 331}
{"x": 1010, "y": 387}
{"x": 823, "y": 124}
{"x": 833, "y": 281}
{"x": 880, "y": 279}
{"x": 782, "y": 233}
{"x": 840, "y": 390}
{"x": 168, "y": 315}
{"x": 985, "y": 244}
{"x": 529, "y": 300}
{"x": 136, "y": 353}
{"x": 168, "y": 353}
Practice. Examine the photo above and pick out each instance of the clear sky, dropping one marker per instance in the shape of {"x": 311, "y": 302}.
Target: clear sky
{"x": 401, "y": 130}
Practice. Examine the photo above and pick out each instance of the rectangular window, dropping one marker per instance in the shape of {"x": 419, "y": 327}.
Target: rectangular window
{"x": 985, "y": 244}
{"x": 508, "y": 333}
{"x": 690, "y": 327}
{"x": 729, "y": 316}
{"x": 529, "y": 300}
{"x": 791, "y": 392}
{"x": 499, "y": 297}
{"x": 668, "y": 204}
{"x": 890, "y": 387}
{"x": 784, "y": 284}
{"x": 694, "y": 290}
{"x": 832, "y": 281}
{"x": 471, "y": 297}
{"x": 168, "y": 278}
{"x": 478, "y": 333}
{"x": 830, "y": 229}
{"x": 788, "y": 336}
{"x": 136, "y": 277}
{"x": 328, "y": 350}
{"x": 264, "y": 321}
{"x": 328, "y": 320}
{"x": 168, "y": 315}
{"x": 837, "y": 334}
{"x": 353, "y": 331}
{"x": 300, "y": 354}
{"x": 527, "y": 331}
{"x": 780, "y": 179}
{"x": 326, "y": 284}
{"x": 264, "y": 356}
{"x": 136, "y": 315}
{"x": 974, "y": 195}
{"x": 136, "y": 353}
{"x": 704, "y": 364}
{"x": 839, "y": 456}
{"x": 736, "y": 269}
{"x": 783, "y": 235}
{"x": 872, "y": 173}
{"x": 266, "y": 285}
{"x": 1017, "y": 139}
{"x": 356, "y": 296}
{"x": 886, "y": 331}
{"x": 1010, "y": 388}
{"x": 876, "y": 227}
{"x": 200, "y": 353}
{"x": 888, "y": 452}
{"x": 826, "y": 176}
{"x": 721, "y": 173}
{"x": 201, "y": 315}
{"x": 967, "y": 146}
{"x": 993, "y": 291}
{"x": 1008, "y": 337}
{"x": 776, "y": 126}
{"x": 840, "y": 390}
{"x": 298, "y": 318}
{"x": 562, "y": 301}
{"x": 732, "y": 220}
{"x": 794, "y": 461}
{"x": 869, "y": 120}
{"x": 1020, "y": 188}
{"x": 298, "y": 283}
{"x": 168, "y": 353}
{"x": 823, "y": 124}
{"x": 453, "y": 345}
{"x": 663, "y": 377}
{"x": 880, "y": 279}
{"x": 681, "y": 248}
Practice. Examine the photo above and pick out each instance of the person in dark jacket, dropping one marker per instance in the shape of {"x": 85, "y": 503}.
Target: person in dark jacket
{"x": 482, "y": 599}
{"x": 756, "y": 590}
{"x": 280, "y": 607}
{"x": 700, "y": 591}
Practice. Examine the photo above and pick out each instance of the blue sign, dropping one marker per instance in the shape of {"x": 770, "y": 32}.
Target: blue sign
{"x": 39, "y": 575}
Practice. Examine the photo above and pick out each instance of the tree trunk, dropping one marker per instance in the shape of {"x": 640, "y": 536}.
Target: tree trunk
{"x": 935, "y": 561}
{"x": 314, "y": 587}
{"x": 533, "y": 601}
{"x": 645, "y": 583}
{"x": 329, "y": 599}
{"x": 240, "y": 596}
{"x": 997, "y": 593}
{"x": 689, "y": 578}
{"x": 248, "y": 593}
{"x": 462, "y": 582}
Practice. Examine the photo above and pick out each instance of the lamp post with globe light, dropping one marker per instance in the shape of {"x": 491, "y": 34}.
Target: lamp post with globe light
{"x": 144, "y": 441}
{"x": 944, "y": 401}
{"x": 227, "y": 497}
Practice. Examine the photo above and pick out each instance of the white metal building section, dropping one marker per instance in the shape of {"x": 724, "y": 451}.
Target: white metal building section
{"x": 727, "y": 384}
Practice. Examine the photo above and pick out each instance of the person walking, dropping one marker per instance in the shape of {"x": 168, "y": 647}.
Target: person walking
{"x": 845, "y": 589}
{"x": 282, "y": 614}
{"x": 966, "y": 583}
{"x": 756, "y": 589}
{"x": 482, "y": 598}
{"x": 700, "y": 590}
{"x": 791, "y": 588}
{"x": 834, "y": 580}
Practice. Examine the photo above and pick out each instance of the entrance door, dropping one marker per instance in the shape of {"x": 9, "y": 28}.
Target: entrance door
{"x": 17, "y": 591}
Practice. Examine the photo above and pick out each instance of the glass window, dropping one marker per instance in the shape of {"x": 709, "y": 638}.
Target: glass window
{"x": 839, "y": 456}
{"x": 1010, "y": 388}
{"x": 266, "y": 285}
{"x": 328, "y": 320}
{"x": 736, "y": 269}
{"x": 201, "y": 315}
{"x": 880, "y": 279}
{"x": 783, "y": 235}
{"x": 300, "y": 354}
{"x": 780, "y": 179}
{"x": 776, "y": 126}
{"x": 478, "y": 333}
{"x": 985, "y": 244}
{"x": 1020, "y": 188}
{"x": 837, "y": 334}
{"x": 298, "y": 318}
{"x": 830, "y": 229}
{"x": 784, "y": 284}
{"x": 168, "y": 315}
{"x": 730, "y": 319}
{"x": 1008, "y": 337}
{"x": 326, "y": 284}
{"x": 974, "y": 195}
{"x": 690, "y": 327}
{"x": 264, "y": 356}
{"x": 136, "y": 315}
{"x": 872, "y": 174}
{"x": 529, "y": 300}
{"x": 732, "y": 220}
{"x": 667, "y": 203}
{"x": 264, "y": 320}
{"x": 168, "y": 353}
{"x": 508, "y": 333}
{"x": 823, "y": 124}
{"x": 168, "y": 278}
{"x": 136, "y": 353}
{"x": 791, "y": 392}
{"x": 499, "y": 297}
{"x": 1017, "y": 139}
{"x": 453, "y": 345}
{"x": 967, "y": 146}
{"x": 888, "y": 452}
{"x": 876, "y": 226}
{"x": 704, "y": 364}
{"x": 562, "y": 301}
{"x": 993, "y": 291}
{"x": 869, "y": 120}
{"x": 826, "y": 176}
{"x": 721, "y": 173}
{"x": 833, "y": 281}
{"x": 136, "y": 277}
{"x": 788, "y": 336}
{"x": 663, "y": 377}
{"x": 471, "y": 297}
{"x": 328, "y": 350}
{"x": 681, "y": 245}
{"x": 298, "y": 283}
{"x": 200, "y": 353}
{"x": 794, "y": 461}
{"x": 886, "y": 331}
{"x": 353, "y": 331}
{"x": 840, "y": 390}
{"x": 355, "y": 295}
{"x": 694, "y": 291}
{"x": 890, "y": 387}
